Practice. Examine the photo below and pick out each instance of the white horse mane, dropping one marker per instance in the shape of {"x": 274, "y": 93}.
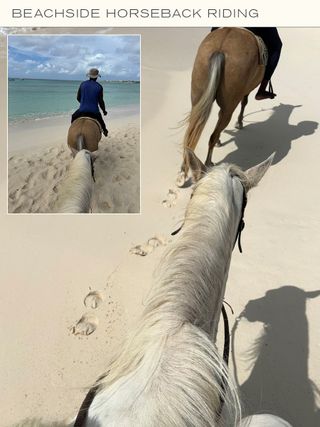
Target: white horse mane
{"x": 169, "y": 372}
{"x": 76, "y": 192}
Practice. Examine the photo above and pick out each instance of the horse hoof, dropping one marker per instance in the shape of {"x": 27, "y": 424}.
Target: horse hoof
{"x": 218, "y": 144}
{"x": 239, "y": 125}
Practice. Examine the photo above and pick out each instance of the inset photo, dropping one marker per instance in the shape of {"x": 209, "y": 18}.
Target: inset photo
{"x": 74, "y": 124}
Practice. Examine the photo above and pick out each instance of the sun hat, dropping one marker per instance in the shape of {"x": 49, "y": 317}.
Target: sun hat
{"x": 93, "y": 73}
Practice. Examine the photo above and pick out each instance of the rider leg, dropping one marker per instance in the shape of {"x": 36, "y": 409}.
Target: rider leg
{"x": 102, "y": 123}
{"x": 273, "y": 42}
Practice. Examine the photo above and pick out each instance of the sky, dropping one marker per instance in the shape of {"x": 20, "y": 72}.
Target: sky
{"x": 70, "y": 57}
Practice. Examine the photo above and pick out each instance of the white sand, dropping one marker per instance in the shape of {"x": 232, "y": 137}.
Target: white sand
{"x": 50, "y": 262}
{"x": 39, "y": 160}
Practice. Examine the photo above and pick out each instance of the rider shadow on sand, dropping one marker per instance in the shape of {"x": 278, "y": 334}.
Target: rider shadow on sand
{"x": 279, "y": 382}
{"x": 257, "y": 141}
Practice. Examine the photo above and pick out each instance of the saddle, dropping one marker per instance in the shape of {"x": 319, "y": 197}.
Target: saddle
{"x": 263, "y": 50}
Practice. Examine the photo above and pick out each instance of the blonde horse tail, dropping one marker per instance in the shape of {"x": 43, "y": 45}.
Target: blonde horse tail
{"x": 80, "y": 142}
{"x": 76, "y": 192}
{"x": 200, "y": 112}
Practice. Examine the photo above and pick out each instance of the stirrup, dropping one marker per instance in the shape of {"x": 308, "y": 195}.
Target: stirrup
{"x": 270, "y": 90}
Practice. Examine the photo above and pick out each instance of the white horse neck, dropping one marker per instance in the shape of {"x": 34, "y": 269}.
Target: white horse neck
{"x": 169, "y": 372}
{"x": 193, "y": 273}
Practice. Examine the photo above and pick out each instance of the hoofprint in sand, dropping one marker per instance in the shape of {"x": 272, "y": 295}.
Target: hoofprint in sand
{"x": 36, "y": 174}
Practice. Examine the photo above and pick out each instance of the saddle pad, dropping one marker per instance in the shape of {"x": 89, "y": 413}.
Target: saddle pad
{"x": 263, "y": 50}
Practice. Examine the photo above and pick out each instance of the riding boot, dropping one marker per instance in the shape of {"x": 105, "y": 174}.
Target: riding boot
{"x": 263, "y": 93}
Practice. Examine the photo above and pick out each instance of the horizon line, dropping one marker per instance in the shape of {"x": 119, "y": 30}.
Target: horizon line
{"x": 80, "y": 80}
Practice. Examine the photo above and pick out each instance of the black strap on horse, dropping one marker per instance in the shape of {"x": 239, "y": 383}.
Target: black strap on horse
{"x": 177, "y": 230}
{"x": 226, "y": 346}
{"x": 83, "y": 411}
{"x": 92, "y": 169}
{"x": 226, "y": 353}
{"x": 241, "y": 223}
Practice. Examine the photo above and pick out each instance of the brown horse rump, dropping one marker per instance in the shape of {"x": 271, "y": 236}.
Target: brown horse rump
{"x": 263, "y": 50}
{"x": 91, "y": 118}
{"x": 90, "y": 130}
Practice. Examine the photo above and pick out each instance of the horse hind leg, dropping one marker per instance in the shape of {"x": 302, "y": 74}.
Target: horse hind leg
{"x": 223, "y": 121}
{"x": 244, "y": 102}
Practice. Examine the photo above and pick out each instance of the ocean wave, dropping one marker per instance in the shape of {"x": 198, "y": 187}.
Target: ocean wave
{"x": 116, "y": 112}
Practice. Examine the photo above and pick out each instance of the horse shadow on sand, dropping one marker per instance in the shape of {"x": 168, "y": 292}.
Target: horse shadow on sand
{"x": 279, "y": 382}
{"x": 257, "y": 141}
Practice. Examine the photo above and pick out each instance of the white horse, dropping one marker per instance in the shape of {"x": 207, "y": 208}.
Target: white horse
{"x": 261, "y": 420}
{"x": 168, "y": 372}
{"x": 77, "y": 189}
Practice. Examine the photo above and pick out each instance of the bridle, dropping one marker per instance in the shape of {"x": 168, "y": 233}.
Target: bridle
{"x": 226, "y": 345}
{"x": 92, "y": 169}
{"x": 240, "y": 226}
{"x": 241, "y": 222}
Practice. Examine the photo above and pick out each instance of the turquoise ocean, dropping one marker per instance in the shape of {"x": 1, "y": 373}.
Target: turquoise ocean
{"x": 35, "y": 99}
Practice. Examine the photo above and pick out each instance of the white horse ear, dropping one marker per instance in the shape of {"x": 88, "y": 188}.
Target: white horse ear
{"x": 197, "y": 167}
{"x": 255, "y": 173}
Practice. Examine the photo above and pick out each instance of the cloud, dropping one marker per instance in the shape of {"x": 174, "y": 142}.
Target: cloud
{"x": 70, "y": 57}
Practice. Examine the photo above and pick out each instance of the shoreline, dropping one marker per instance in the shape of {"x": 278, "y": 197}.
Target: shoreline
{"x": 37, "y": 133}
{"x": 129, "y": 110}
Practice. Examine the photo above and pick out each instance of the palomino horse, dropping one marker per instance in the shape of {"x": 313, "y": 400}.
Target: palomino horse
{"x": 83, "y": 139}
{"x": 226, "y": 69}
{"x": 168, "y": 372}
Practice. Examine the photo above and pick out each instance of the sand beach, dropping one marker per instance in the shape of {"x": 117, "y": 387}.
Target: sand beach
{"x": 51, "y": 263}
{"x": 39, "y": 159}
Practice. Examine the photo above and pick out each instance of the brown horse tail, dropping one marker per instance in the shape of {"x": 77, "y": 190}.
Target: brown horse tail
{"x": 81, "y": 145}
{"x": 200, "y": 112}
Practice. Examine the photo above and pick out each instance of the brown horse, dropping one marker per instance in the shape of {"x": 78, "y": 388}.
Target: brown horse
{"x": 84, "y": 133}
{"x": 227, "y": 68}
